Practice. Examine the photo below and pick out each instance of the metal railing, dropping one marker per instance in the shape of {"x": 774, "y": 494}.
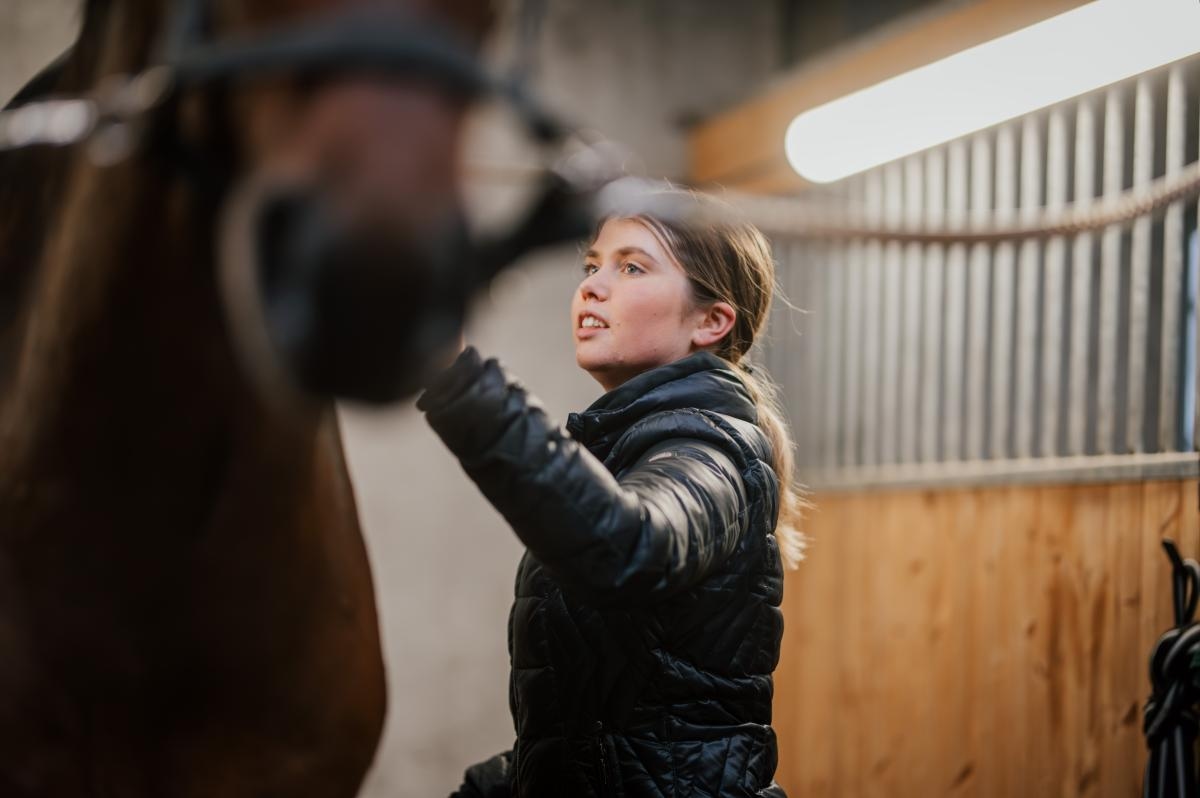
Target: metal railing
{"x": 1071, "y": 357}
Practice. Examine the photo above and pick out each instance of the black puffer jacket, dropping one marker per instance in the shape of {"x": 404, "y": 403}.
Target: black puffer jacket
{"x": 646, "y": 623}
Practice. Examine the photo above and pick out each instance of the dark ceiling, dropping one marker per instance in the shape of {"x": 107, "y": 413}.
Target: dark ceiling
{"x": 809, "y": 27}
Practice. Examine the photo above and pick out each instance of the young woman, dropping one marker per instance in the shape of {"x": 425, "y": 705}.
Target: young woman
{"x": 646, "y": 623}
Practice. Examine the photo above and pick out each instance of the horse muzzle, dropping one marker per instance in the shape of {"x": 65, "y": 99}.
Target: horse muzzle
{"x": 334, "y": 312}
{"x": 317, "y": 307}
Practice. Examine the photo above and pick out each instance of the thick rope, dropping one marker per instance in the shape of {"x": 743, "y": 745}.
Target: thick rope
{"x": 795, "y": 219}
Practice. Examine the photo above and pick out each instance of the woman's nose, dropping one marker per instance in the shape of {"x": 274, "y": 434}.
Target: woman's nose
{"x": 594, "y": 287}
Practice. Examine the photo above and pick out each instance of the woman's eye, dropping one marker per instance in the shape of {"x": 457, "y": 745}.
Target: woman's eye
{"x": 590, "y": 268}
{"x": 631, "y": 268}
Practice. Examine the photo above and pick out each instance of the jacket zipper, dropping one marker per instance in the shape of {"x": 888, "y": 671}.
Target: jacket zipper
{"x": 603, "y": 759}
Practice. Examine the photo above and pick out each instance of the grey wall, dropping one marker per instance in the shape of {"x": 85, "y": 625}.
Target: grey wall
{"x": 32, "y": 32}
{"x": 444, "y": 560}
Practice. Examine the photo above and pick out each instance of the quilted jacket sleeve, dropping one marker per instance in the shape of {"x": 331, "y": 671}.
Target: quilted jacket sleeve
{"x": 488, "y": 779}
{"x": 667, "y": 523}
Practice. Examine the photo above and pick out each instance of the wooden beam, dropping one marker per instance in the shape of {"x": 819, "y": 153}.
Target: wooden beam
{"x": 743, "y": 147}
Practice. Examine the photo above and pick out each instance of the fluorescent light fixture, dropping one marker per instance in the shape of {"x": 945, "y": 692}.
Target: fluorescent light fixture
{"x": 1054, "y": 60}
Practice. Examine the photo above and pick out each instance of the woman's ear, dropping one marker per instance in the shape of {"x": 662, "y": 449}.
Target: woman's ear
{"x": 714, "y": 325}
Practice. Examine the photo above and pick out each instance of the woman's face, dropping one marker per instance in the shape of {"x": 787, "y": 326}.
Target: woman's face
{"x": 633, "y": 311}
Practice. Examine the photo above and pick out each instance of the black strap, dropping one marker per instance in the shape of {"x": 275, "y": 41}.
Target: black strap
{"x": 1171, "y": 723}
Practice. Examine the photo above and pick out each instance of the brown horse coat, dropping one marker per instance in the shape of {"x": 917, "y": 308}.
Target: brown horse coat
{"x": 186, "y": 606}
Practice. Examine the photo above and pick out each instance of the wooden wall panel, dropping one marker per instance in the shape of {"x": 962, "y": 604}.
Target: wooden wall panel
{"x": 987, "y": 642}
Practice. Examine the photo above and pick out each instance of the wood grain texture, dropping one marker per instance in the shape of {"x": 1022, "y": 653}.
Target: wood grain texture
{"x": 983, "y": 642}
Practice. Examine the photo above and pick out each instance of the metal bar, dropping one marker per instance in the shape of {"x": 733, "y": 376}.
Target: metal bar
{"x": 1110, "y": 276}
{"x": 786, "y": 348}
{"x": 910, "y": 341}
{"x": 956, "y": 295}
{"x": 1173, "y": 284}
{"x": 1078, "y": 401}
{"x": 853, "y": 338}
{"x": 833, "y": 279}
{"x": 787, "y": 345}
{"x": 872, "y": 332}
{"x": 1053, "y": 284}
{"x": 933, "y": 308}
{"x": 1003, "y": 285}
{"x": 805, "y": 376}
{"x": 892, "y": 307}
{"x": 1139, "y": 264}
{"x": 1035, "y": 471}
{"x": 978, "y": 288}
{"x": 817, "y": 275}
{"x": 1029, "y": 261}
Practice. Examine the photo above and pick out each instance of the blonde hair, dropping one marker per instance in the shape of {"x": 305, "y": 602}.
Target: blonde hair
{"x": 729, "y": 260}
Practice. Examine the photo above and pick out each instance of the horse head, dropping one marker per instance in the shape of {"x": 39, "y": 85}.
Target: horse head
{"x": 186, "y": 606}
{"x": 345, "y": 255}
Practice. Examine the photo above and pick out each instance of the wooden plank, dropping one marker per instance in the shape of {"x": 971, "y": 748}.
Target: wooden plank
{"x": 884, "y": 753}
{"x": 1036, "y": 670}
{"x": 1020, "y": 509}
{"x": 1162, "y": 507}
{"x": 1122, "y": 751}
{"x": 849, "y": 612}
{"x": 983, "y": 551}
{"x": 805, "y": 709}
{"x": 985, "y": 642}
{"x": 1089, "y": 581}
{"x": 953, "y": 515}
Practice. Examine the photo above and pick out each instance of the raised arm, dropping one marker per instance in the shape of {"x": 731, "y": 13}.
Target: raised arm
{"x": 666, "y": 524}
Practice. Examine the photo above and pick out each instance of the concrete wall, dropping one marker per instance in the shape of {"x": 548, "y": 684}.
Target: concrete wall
{"x": 32, "y": 33}
{"x": 444, "y": 561}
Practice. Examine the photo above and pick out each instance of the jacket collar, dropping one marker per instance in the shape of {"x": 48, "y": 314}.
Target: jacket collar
{"x": 701, "y": 380}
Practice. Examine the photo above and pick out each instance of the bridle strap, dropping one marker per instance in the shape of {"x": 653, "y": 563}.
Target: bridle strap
{"x": 387, "y": 42}
{"x": 383, "y": 41}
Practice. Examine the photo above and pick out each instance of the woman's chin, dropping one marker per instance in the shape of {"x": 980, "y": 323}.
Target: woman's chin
{"x": 588, "y": 355}
{"x": 587, "y": 363}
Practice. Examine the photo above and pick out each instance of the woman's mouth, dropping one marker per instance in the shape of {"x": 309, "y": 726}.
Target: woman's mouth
{"x": 589, "y": 325}
{"x": 591, "y": 321}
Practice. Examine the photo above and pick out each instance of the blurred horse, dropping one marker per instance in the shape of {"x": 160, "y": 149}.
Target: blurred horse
{"x": 186, "y": 607}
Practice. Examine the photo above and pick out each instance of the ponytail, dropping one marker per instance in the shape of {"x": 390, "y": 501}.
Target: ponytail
{"x": 793, "y": 497}
{"x": 729, "y": 260}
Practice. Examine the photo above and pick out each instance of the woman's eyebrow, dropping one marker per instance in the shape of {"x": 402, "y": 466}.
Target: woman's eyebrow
{"x": 622, "y": 252}
{"x": 636, "y": 251}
